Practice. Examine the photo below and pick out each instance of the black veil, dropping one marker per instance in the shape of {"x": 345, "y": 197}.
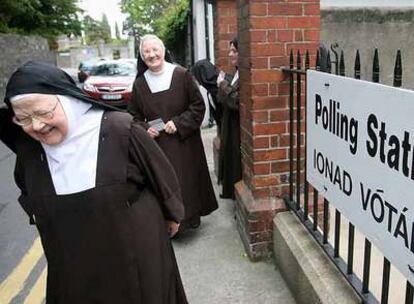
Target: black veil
{"x": 206, "y": 74}
{"x": 45, "y": 78}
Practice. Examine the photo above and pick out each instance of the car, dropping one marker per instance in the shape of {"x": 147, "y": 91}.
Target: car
{"x": 86, "y": 66}
{"x": 111, "y": 82}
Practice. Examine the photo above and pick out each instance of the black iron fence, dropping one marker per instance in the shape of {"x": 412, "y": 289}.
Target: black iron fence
{"x": 309, "y": 205}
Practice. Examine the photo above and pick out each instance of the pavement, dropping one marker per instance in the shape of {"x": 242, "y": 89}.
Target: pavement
{"x": 212, "y": 261}
{"x": 213, "y": 264}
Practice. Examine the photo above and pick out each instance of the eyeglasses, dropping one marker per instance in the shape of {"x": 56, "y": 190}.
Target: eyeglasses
{"x": 42, "y": 116}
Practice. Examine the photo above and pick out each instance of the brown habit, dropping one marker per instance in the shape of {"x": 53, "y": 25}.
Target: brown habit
{"x": 183, "y": 104}
{"x": 108, "y": 244}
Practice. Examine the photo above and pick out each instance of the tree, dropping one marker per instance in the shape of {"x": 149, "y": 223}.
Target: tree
{"x": 142, "y": 14}
{"x": 172, "y": 26}
{"x": 48, "y": 18}
{"x": 117, "y": 34}
{"x": 92, "y": 30}
{"x": 106, "y": 29}
{"x": 96, "y": 30}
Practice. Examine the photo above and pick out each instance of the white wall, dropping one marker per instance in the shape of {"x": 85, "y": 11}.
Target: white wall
{"x": 199, "y": 30}
{"x": 199, "y": 37}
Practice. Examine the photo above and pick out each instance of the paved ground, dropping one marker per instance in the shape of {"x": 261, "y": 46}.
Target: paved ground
{"x": 214, "y": 266}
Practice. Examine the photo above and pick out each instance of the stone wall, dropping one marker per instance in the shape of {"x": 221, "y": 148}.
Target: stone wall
{"x": 72, "y": 58}
{"x": 16, "y": 50}
{"x": 367, "y": 29}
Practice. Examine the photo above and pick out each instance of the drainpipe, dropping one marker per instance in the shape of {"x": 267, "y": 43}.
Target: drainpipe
{"x": 191, "y": 33}
{"x": 206, "y": 27}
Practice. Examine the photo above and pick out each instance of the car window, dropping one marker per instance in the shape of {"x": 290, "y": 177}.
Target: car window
{"x": 87, "y": 65}
{"x": 114, "y": 69}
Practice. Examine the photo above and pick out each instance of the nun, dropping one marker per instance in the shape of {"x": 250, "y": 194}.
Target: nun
{"x": 167, "y": 102}
{"x": 230, "y": 167}
{"x": 100, "y": 191}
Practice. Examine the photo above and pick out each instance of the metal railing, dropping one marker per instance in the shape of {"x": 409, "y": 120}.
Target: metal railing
{"x": 311, "y": 218}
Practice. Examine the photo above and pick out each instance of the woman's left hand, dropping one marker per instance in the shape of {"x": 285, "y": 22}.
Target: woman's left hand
{"x": 170, "y": 127}
{"x": 172, "y": 227}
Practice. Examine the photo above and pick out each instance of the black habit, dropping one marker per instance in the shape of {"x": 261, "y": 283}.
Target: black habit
{"x": 108, "y": 244}
{"x": 183, "y": 104}
{"x": 230, "y": 169}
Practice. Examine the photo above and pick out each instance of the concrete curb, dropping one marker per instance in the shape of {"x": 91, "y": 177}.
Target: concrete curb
{"x": 310, "y": 275}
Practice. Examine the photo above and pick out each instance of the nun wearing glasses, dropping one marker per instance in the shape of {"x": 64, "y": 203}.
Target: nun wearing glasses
{"x": 102, "y": 194}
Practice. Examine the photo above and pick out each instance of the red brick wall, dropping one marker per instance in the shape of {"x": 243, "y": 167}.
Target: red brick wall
{"x": 225, "y": 29}
{"x": 268, "y": 31}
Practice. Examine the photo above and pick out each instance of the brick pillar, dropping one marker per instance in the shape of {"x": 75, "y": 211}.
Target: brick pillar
{"x": 225, "y": 29}
{"x": 268, "y": 30}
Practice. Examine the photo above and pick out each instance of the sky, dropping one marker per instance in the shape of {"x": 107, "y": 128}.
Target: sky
{"x": 95, "y": 9}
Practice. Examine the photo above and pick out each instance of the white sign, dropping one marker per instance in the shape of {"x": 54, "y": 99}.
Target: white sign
{"x": 360, "y": 156}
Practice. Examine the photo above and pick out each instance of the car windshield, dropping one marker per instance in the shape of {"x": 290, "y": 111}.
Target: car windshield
{"x": 114, "y": 69}
{"x": 89, "y": 64}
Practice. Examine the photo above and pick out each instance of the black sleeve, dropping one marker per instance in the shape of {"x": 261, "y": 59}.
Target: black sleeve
{"x": 8, "y": 130}
{"x": 228, "y": 95}
{"x": 20, "y": 182}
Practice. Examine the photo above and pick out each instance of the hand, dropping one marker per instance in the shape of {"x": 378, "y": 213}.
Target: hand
{"x": 220, "y": 77}
{"x": 172, "y": 227}
{"x": 152, "y": 132}
{"x": 170, "y": 127}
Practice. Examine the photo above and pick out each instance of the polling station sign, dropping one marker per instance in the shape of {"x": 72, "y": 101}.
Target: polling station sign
{"x": 360, "y": 156}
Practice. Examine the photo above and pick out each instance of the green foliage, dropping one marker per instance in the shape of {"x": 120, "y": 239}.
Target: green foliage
{"x": 119, "y": 42}
{"x": 171, "y": 27}
{"x": 96, "y": 30}
{"x": 47, "y": 18}
{"x": 142, "y": 14}
{"x": 117, "y": 34}
{"x": 105, "y": 29}
{"x": 66, "y": 50}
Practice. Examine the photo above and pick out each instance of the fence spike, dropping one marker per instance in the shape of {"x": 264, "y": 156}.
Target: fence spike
{"x": 318, "y": 61}
{"x": 291, "y": 60}
{"x": 376, "y": 68}
{"x": 334, "y": 46}
{"x": 298, "y": 61}
{"x": 328, "y": 63}
{"x": 307, "y": 60}
{"x": 342, "y": 65}
{"x": 398, "y": 70}
{"x": 357, "y": 66}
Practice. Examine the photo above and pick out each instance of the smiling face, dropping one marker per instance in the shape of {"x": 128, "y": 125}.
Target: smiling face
{"x": 47, "y": 126}
{"x": 153, "y": 54}
{"x": 234, "y": 55}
